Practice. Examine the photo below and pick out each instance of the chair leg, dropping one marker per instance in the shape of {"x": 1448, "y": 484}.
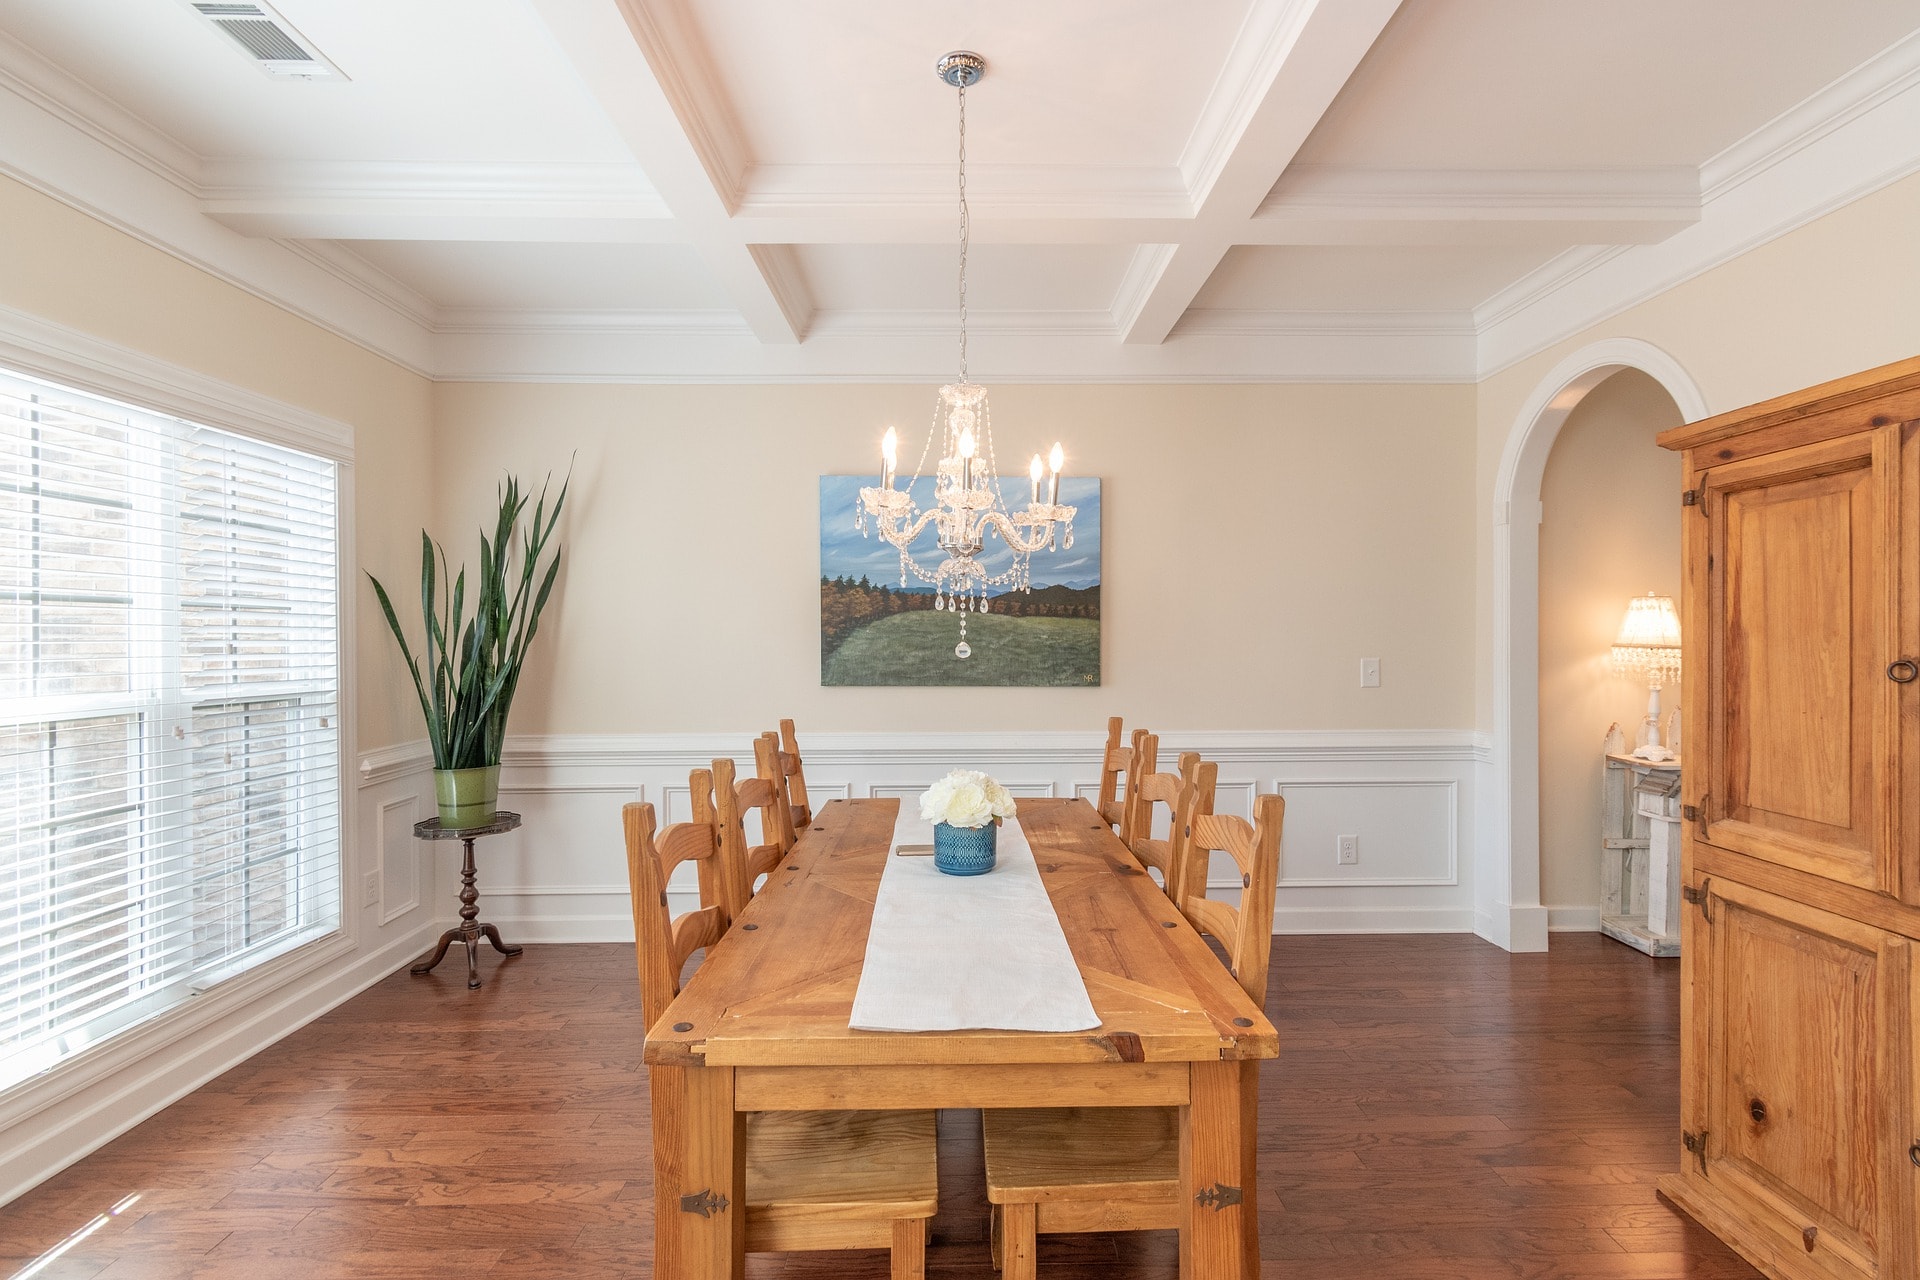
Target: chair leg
{"x": 1017, "y": 1245}
{"x": 910, "y": 1249}
{"x": 993, "y": 1235}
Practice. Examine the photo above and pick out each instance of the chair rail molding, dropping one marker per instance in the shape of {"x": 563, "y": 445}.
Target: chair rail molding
{"x": 1507, "y": 904}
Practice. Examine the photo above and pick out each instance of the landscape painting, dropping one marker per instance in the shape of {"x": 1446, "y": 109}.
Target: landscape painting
{"x": 873, "y": 631}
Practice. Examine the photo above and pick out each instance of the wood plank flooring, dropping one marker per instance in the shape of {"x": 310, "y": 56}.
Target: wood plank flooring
{"x": 1440, "y": 1111}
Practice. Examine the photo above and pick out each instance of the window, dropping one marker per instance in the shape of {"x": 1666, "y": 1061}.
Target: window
{"x": 169, "y": 713}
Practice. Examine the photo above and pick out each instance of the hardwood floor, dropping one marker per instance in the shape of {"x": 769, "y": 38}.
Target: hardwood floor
{"x": 1440, "y": 1111}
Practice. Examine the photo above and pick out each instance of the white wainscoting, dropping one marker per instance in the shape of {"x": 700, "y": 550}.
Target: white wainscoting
{"x": 1408, "y": 795}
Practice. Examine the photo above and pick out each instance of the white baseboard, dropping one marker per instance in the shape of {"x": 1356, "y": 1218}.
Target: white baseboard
{"x": 87, "y": 1118}
{"x": 1573, "y": 919}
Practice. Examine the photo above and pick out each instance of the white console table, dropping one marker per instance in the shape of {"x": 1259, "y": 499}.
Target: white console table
{"x": 1640, "y": 854}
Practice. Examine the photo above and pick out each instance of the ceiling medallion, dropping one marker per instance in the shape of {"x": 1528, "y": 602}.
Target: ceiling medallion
{"x": 967, "y": 498}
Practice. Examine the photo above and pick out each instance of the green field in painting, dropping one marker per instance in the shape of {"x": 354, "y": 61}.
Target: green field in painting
{"x": 917, "y": 648}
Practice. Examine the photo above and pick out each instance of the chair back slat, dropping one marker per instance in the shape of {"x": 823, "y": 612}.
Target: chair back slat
{"x": 1189, "y": 874}
{"x": 1116, "y": 759}
{"x": 1247, "y": 931}
{"x": 744, "y": 864}
{"x": 796, "y": 778}
{"x": 769, "y": 763}
{"x": 1145, "y": 757}
{"x": 661, "y": 944}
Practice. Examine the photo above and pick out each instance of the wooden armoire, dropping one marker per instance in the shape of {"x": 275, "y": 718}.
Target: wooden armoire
{"x": 1800, "y": 1000}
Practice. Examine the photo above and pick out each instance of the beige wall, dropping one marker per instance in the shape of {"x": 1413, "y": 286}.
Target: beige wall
{"x": 1831, "y": 298}
{"x": 1611, "y": 530}
{"x": 64, "y": 266}
{"x": 1259, "y": 541}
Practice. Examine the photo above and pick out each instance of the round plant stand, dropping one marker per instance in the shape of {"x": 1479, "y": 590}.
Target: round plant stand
{"x": 470, "y": 929}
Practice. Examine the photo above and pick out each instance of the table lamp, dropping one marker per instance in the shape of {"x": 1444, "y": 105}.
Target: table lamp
{"x": 1649, "y": 641}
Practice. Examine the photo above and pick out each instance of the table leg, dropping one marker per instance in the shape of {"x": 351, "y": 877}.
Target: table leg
{"x": 1218, "y": 1232}
{"x": 699, "y": 1174}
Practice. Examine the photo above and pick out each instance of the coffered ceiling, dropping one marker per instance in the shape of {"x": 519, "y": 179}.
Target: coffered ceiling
{"x": 689, "y": 189}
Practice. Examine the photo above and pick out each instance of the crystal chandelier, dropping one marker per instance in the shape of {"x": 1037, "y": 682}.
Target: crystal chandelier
{"x": 967, "y": 498}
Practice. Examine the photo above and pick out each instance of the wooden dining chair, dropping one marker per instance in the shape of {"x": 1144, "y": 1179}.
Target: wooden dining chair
{"x": 1070, "y": 1169}
{"x": 814, "y": 1179}
{"x": 1119, "y": 780}
{"x": 768, "y": 763}
{"x": 1190, "y": 789}
{"x": 796, "y": 777}
{"x": 743, "y": 864}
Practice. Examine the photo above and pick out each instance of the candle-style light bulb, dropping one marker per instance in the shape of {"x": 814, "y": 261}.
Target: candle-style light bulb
{"x": 889, "y": 456}
{"x": 1053, "y": 486}
{"x": 1034, "y": 472}
{"x": 966, "y": 444}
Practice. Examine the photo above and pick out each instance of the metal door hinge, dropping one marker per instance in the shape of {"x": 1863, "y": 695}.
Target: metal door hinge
{"x": 1690, "y": 498}
{"x": 1697, "y": 895}
{"x": 1690, "y": 812}
{"x": 704, "y": 1203}
{"x": 1217, "y": 1197}
{"x": 1697, "y": 1144}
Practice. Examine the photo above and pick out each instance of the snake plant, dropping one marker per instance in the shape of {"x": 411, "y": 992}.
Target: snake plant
{"x": 469, "y": 667}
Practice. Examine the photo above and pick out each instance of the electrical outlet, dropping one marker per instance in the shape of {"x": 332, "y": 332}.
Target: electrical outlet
{"x": 370, "y": 889}
{"x": 1347, "y": 850}
{"x": 1369, "y": 673}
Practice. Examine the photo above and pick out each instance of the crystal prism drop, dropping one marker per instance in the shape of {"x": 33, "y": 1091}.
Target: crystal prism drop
{"x": 939, "y": 602}
{"x": 984, "y": 605}
{"x": 962, "y": 650}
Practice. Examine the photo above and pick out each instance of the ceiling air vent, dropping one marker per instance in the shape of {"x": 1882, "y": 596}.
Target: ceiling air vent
{"x": 270, "y": 40}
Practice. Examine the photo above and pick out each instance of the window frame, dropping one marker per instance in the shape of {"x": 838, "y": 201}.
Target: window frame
{"x": 39, "y": 348}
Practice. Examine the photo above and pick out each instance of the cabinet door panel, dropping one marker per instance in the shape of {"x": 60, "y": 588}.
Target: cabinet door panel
{"x": 1807, "y": 1021}
{"x": 1800, "y": 718}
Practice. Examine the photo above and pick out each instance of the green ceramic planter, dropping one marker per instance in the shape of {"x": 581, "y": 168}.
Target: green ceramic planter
{"x": 468, "y": 797}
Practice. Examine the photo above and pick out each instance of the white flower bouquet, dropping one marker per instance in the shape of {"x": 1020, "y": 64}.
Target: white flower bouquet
{"x": 966, "y": 798}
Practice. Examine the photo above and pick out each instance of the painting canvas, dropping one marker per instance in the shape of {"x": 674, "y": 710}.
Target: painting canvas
{"x": 874, "y": 631}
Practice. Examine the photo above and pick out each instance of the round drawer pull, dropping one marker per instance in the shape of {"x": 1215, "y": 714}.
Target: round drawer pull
{"x": 1758, "y": 1110}
{"x": 1913, "y": 1154}
{"x": 1903, "y": 671}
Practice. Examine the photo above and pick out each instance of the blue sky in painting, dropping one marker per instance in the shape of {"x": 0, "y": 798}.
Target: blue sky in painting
{"x": 843, "y": 550}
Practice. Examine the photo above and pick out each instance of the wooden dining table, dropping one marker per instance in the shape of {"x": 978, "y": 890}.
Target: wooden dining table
{"x": 762, "y": 1026}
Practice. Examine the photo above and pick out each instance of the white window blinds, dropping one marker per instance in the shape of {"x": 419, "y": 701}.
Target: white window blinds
{"x": 169, "y": 713}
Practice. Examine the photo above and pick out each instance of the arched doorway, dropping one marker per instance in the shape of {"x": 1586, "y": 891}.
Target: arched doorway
{"x": 1507, "y": 881}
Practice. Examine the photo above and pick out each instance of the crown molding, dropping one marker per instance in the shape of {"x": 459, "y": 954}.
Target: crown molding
{"x": 100, "y": 118}
{"x": 1087, "y": 192}
{"x": 624, "y": 324}
{"x": 42, "y": 147}
{"x": 1390, "y": 352}
{"x": 1855, "y": 136}
{"x": 343, "y": 264}
{"x": 1662, "y": 193}
{"x": 1892, "y": 72}
{"x": 1300, "y": 324}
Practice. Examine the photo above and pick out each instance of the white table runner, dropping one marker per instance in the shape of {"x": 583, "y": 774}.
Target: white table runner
{"x": 956, "y": 953}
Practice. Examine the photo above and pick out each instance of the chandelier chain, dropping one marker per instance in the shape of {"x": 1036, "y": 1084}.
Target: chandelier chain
{"x": 968, "y": 502}
{"x": 965, "y": 229}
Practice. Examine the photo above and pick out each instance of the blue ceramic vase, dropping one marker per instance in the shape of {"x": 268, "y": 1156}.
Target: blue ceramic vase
{"x": 964, "y": 851}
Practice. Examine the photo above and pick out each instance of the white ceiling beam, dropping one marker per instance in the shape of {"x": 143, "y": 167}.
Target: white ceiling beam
{"x": 1303, "y": 60}
{"x": 666, "y": 112}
